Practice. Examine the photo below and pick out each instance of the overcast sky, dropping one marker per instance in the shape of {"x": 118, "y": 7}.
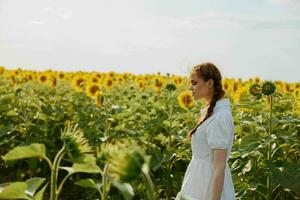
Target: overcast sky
{"x": 244, "y": 38}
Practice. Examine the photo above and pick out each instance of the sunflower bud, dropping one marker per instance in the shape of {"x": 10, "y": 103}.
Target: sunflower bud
{"x": 75, "y": 142}
{"x": 170, "y": 87}
{"x": 268, "y": 88}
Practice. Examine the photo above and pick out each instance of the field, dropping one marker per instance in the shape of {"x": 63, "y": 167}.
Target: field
{"x": 93, "y": 135}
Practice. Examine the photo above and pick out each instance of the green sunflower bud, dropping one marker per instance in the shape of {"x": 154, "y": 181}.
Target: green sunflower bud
{"x": 75, "y": 143}
{"x": 170, "y": 87}
{"x": 268, "y": 88}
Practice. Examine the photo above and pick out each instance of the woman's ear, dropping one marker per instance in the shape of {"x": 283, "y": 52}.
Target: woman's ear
{"x": 210, "y": 83}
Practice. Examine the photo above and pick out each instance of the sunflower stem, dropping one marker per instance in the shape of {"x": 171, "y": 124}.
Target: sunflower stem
{"x": 104, "y": 181}
{"x": 269, "y": 183}
{"x": 54, "y": 173}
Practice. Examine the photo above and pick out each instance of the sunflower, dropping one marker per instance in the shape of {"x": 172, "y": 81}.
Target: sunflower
{"x": 177, "y": 80}
{"x": 61, "y": 75}
{"x": 287, "y": 87}
{"x": 141, "y": 84}
{"x": 120, "y": 79}
{"x": 99, "y": 98}
{"x": 75, "y": 142}
{"x": 12, "y": 79}
{"x": 53, "y": 81}
{"x": 109, "y": 83}
{"x": 185, "y": 100}
{"x": 79, "y": 82}
{"x": 235, "y": 86}
{"x": 29, "y": 76}
{"x": 268, "y": 88}
{"x": 255, "y": 90}
{"x": 125, "y": 161}
{"x": 43, "y": 78}
{"x": 94, "y": 79}
{"x": 111, "y": 74}
{"x": 158, "y": 83}
{"x": 257, "y": 80}
{"x": 92, "y": 88}
{"x": 2, "y": 69}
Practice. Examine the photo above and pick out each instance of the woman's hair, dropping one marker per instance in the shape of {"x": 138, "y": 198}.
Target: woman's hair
{"x": 208, "y": 71}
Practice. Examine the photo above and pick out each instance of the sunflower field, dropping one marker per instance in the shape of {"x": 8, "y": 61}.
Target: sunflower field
{"x": 113, "y": 136}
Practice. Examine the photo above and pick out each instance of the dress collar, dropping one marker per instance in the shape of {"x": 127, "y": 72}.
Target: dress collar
{"x": 225, "y": 102}
{"x": 222, "y": 102}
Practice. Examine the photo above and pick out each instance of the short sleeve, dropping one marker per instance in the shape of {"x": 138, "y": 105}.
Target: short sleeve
{"x": 219, "y": 132}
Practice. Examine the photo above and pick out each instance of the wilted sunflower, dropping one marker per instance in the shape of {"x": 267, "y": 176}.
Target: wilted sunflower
{"x": 268, "y": 88}
{"x": 185, "y": 100}
{"x": 76, "y": 144}
{"x": 92, "y": 88}
{"x": 255, "y": 90}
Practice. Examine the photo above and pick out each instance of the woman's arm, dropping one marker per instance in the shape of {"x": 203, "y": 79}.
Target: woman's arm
{"x": 219, "y": 164}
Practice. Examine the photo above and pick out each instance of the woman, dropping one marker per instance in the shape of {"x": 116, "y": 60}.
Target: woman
{"x": 208, "y": 176}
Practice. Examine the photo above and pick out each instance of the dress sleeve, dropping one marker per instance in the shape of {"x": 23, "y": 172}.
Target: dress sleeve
{"x": 219, "y": 132}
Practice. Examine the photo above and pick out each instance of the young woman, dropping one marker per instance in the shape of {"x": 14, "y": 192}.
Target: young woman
{"x": 208, "y": 175}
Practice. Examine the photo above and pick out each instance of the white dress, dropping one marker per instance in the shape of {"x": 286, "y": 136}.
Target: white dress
{"x": 216, "y": 132}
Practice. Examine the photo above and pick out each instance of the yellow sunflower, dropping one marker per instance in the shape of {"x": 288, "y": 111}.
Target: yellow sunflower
{"x": 43, "y": 77}
{"x": 2, "y": 69}
{"x": 92, "y": 88}
{"x": 94, "y": 79}
{"x": 185, "y": 100}
{"x": 109, "y": 82}
{"x": 158, "y": 83}
{"x": 53, "y": 81}
{"x": 141, "y": 84}
{"x": 79, "y": 82}
{"x": 61, "y": 75}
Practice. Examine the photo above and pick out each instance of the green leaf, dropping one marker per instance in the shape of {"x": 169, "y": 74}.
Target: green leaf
{"x": 11, "y": 113}
{"x": 21, "y": 152}
{"x": 14, "y": 190}
{"x": 33, "y": 184}
{"x": 40, "y": 194}
{"x": 249, "y": 144}
{"x": 286, "y": 174}
{"x": 88, "y": 183}
{"x": 125, "y": 188}
{"x": 87, "y": 165}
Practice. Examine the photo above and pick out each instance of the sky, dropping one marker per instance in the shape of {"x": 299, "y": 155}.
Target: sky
{"x": 244, "y": 38}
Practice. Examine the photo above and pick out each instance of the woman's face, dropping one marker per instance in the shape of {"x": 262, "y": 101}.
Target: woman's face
{"x": 199, "y": 88}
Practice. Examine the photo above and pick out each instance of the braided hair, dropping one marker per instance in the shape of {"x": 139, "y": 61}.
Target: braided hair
{"x": 208, "y": 71}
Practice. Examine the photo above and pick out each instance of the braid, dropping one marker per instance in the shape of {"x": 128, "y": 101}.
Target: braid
{"x": 217, "y": 94}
